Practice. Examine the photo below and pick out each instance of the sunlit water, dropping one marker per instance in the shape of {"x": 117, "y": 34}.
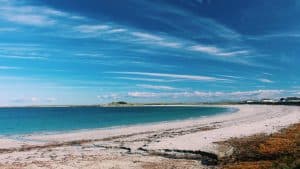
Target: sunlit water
{"x": 56, "y": 119}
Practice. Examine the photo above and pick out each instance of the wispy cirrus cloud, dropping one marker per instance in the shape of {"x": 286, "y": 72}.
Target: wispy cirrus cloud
{"x": 91, "y": 55}
{"x": 147, "y": 36}
{"x": 265, "y": 80}
{"x": 41, "y": 16}
{"x": 147, "y": 79}
{"x": 266, "y": 73}
{"x": 26, "y": 100}
{"x": 50, "y": 99}
{"x": 23, "y": 57}
{"x": 91, "y": 28}
{"x": 144, "y": 94}
{"x": 8, "y": 29}
{"x": 29, "y": 19}
{"x": 238, "y": 95}
{"x": 33, "y": 100}
{"x": 174, "y": 76}
{"x": 46, "y": 16}
{"x": 268, "y": 36}
{"x": 117, "y": 30}
{"x": 156, "y": 87}
{"x": 157, "y": 40}
{"x": 111, "y": 96}
{"x": 212, "y": 50}
{"x": 9, "y": 68}
{"x": 231, "y": 76}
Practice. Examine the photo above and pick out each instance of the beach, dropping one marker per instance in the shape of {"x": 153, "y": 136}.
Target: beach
{"x": 192, "y": 143}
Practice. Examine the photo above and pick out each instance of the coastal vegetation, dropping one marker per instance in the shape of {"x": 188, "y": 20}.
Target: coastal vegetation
{"x": 277, "y": 151}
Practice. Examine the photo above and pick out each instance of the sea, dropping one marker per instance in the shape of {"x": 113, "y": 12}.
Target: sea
{"x": 28, "y": 120}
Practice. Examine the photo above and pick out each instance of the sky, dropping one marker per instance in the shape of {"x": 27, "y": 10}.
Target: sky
{"x": 97, "y": 51}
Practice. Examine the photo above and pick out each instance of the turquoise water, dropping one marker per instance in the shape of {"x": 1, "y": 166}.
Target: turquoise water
{"x": 32, "y": 120}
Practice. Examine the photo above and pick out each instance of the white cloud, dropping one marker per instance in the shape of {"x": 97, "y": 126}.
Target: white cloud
{"x": 206, "y": 49}
{"x": 34, "y": 99}
{"x": 176, "y": 76}
{"x": 157, "y": 40}
{"x": 270, "y": 74}
{"x": 116, "y": 30}
{"x": 111, "y": 96}
{"x": 265, "y": 80}
{"x": 147, "y": 36}
{"x": 51, "y": 99}
{"x": 257, "y": 94}
{"x": 21, "y": 13}
{"x": 23, "y": 57}
{"x": 28, "y": 15}
{"x": 92, "y": 55}
{"x": 91, "y": 28}
{"x": 8, "y": 29}
{"x": 146, "y": 79}
{"x": 8, "y": 68}
{"x": 276, "y": 35}
{"x": 36, "y": 20}
{"x": 143, "y": 94}
{"x": 174, "y": 94}
{"x": 240, "y": 95}
{"x": 157, "y": 87}
{"x": 26, "y": 100}
{"x": 170, "y": 44}
{"x": 230, "y": 76}
{"x": 233, "y": 53}
{"x": 212, "y": 50}
{"x": 77, "y": 17}
{"x": 54, "y": 12}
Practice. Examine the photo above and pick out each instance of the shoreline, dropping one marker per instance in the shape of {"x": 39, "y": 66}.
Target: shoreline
{"x": 39, "y": 133}
{"x": 187, "y": 139}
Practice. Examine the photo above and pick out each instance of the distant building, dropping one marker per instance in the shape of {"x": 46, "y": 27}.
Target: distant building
{"x": 268, "y": 101}
{"x": 292, "y": 99}
{"x": 250, "y": 101}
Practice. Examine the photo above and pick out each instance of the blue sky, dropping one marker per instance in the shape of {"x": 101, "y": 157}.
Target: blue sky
{"x": 89, "y": 52}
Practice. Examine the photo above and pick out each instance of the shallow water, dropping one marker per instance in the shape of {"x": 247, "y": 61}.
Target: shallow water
{"x": 53, "y": 119}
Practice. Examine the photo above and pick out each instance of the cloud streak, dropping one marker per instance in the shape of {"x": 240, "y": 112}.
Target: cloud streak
{"x": 91, "y": 28}
{"x": 9, "y": 68}
{"x": 41, "y": 16}
{"x": 212, "y": 50}
{"x": 239, "y": 95}
{"x": 147, "y": 36}
{"x": 146, "y": 79}
{"x": 23, "y": 57}
{"x": 265, "y": 80}
{"x": 156, "y": 87}
{"x": 156, "y": 40}
{"x": 174, "y": 76}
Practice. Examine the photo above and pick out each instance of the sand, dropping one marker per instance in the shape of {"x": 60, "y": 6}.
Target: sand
{"x": 146, "y": 146}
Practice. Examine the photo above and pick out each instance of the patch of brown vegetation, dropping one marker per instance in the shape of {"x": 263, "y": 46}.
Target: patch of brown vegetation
{"x": 251, "y": 165}
{"x": 279, "y": 150}
{"x": 274, "y": 146}
{"x": 171, "y": 164}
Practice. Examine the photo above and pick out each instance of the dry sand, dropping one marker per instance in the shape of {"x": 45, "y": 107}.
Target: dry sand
{"x": 145, "y": 146}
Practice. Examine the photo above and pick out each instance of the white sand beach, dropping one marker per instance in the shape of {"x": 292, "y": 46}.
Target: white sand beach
{"x": 145, "y": 146}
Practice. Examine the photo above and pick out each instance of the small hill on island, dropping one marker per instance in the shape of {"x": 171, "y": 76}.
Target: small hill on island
{"x": 119, "y": 103}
